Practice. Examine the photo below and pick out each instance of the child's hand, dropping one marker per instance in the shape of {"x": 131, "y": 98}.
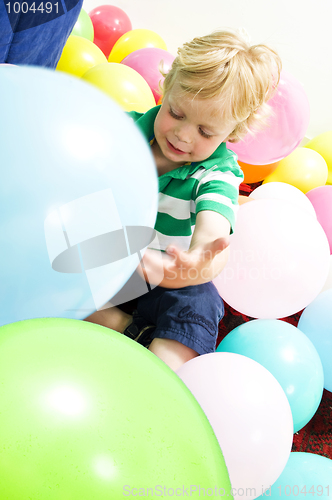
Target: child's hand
{"x": 178, "y": 268}
{"x": 205, "y": 259}
{"x": 199, "y": 254}
{"x": 198, "y": 264}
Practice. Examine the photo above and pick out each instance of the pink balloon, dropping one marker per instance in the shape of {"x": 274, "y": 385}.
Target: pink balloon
{"x": 287, "y": 126}
{"x": 249, "y": 413}
{"x": 279, "y": 260}
{"x": 321, "y": 199}
{"x": 146, "y": 62}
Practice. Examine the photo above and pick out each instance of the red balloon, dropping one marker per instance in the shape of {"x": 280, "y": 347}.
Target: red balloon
{"x": 109, "y": 23}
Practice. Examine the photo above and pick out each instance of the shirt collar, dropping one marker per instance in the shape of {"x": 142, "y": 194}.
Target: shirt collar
{"x": 146, "y": 125}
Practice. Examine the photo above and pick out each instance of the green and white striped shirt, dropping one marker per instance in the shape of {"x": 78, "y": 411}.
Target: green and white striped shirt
{"x": 209, "y": 185}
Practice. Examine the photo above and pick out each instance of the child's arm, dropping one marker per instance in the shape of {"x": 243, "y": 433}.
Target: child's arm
{"x": 205, "y": 259}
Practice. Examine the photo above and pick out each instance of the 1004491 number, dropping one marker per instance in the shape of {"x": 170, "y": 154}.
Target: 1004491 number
{"x": 295, "y": 490}
{"x": 35, "y": 7}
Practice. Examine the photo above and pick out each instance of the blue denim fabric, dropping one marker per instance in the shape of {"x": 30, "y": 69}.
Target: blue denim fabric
{"x": 189, "y": 315}
{"x": 40, "y": 45}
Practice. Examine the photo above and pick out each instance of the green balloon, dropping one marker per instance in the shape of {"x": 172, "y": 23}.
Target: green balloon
{"x": 84, "y": 26}
{"x": 86, "y": 413}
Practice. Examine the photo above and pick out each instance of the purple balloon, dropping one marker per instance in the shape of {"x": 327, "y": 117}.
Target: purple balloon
{"x": 287, "y": 126}
{"x": 147, "y": 62}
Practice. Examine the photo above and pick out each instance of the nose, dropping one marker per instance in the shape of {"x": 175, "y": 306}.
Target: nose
{"x": 183, "y": 133}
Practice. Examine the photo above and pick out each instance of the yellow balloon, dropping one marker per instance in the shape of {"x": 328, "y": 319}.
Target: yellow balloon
{"x": 127, "y": 87}
{"x": 79, "y": 55}
{"x": 304, "y": 168}
{"x": 135, "y": 40}
{"x": 323, "y": 145}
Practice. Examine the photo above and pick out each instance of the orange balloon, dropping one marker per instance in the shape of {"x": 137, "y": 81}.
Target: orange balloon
{"x": 256, "y": 173}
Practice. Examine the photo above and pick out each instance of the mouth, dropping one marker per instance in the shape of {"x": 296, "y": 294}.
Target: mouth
{"x": 174, "y": 149}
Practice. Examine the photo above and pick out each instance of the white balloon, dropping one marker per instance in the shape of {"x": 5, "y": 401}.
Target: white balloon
{"x": 250, "y": 415}
{"x": 283, "y": 191}
{"x": 328, "y": 282}
{"x": 278, "y": 262}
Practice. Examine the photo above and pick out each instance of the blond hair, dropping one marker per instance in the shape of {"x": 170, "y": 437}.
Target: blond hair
{"x": 224, "y": 65}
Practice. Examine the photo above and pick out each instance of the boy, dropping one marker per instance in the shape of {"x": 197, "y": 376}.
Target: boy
{"x": 216, "y": 90}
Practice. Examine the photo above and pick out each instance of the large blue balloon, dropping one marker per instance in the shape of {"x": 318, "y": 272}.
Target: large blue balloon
{"x": 289, "y": 355}
{"x": 78, "y": 189}
{"x": 306, "y": 475}
{"x": 316, "y": 323}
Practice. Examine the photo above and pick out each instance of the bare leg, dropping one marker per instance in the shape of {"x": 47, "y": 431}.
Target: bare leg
{"x": 172, "y": 352}
{"x": 112, "y": 318}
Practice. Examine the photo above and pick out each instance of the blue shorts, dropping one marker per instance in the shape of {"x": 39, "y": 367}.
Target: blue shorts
{"x": 189, "y": 315}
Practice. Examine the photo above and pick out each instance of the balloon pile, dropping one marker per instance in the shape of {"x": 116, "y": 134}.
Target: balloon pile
{"x": 305, "y": 167}
{"x": 125, "y": 63}
{"x": 76, "y": 398}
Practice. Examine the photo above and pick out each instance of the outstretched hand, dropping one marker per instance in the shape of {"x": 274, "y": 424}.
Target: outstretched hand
{"x": 177, "y": 268}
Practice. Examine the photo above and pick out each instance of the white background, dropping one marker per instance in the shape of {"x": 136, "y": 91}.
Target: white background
{"x": 300, "y": 30}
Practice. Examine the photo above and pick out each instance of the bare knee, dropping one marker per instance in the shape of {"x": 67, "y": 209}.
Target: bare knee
{"x": 172, "y": 352}
{"x": 112, "y": 318}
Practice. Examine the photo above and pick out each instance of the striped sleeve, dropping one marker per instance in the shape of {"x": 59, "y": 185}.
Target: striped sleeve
{"x": 218, "y": 190}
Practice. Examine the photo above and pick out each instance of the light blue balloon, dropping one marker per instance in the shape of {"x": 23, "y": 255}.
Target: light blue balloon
{"x": 316, "y": 323}
{"x": 76, "y": 171}
{"x": 291, "y": 358}
{"x": 306, "y": 475}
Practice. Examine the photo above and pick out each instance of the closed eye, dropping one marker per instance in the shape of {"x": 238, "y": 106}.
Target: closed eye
{"x": 174, "y": 115}
{"x": 204, "y": 134}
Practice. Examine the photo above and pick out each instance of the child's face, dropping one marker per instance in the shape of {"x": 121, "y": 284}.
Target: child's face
{"x": 187, "y": 129}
